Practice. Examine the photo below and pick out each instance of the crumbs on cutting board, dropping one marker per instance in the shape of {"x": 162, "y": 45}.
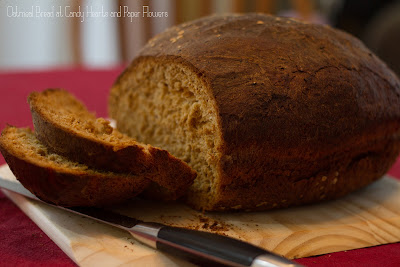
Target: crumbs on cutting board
{"x": 199, "y": 223}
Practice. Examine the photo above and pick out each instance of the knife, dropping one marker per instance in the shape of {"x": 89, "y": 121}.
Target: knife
{"x": 197, "y": 247}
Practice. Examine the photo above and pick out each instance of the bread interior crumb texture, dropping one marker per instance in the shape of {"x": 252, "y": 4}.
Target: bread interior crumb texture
{"x": 166, "y": 105}
{"x": 25, "y": 142}
{"x": 70, "y": 111}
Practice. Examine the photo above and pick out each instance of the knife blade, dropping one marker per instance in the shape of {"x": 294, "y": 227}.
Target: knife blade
{"x": 197, "y": 247}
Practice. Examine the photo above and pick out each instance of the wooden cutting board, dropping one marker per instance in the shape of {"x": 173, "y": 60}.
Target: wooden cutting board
{"x": 366, "y": 218}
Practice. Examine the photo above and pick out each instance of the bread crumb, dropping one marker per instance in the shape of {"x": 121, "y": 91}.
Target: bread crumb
{"x": 260, "y": 22}
{"x": 323, "y": 179}
{"x": 336, "y": 173}
{"x": 321, "y": 188}
{"x": 334, "y": 181}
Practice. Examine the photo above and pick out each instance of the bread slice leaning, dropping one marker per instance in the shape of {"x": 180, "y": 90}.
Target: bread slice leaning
{"x": 63, "y": 124}
{"x": 58, "y": 180}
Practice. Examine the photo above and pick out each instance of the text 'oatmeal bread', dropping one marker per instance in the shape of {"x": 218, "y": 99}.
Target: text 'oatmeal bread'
{"x": 58, "y": 180}
{"x": 271, "y": 112}
{"x": 63, "y": 124}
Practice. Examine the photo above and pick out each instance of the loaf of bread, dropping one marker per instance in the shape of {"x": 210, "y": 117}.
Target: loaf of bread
{"x": 66, "y": 127}
{"x": 58, "y": 180}
{"x": 271, "y": 112}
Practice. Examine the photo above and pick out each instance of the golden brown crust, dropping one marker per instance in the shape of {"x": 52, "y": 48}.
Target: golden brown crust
{"x": 68, "y": 187}
{"x": 128, "y": 157}
{"x": 297, "y": 103}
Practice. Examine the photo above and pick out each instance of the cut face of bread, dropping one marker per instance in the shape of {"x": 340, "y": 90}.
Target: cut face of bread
{"x": 68, "y": 111}
{"x": 65, "y": 125}
{"x": 56, "y": 179}
{"x": 167, "y": 105}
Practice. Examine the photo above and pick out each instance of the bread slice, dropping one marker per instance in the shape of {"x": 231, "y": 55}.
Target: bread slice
{"x": 63, "y": 124}
{"x": 56, "y": 179}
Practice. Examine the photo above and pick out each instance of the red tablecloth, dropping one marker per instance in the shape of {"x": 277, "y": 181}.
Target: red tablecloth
{"x": 22, "y": 243}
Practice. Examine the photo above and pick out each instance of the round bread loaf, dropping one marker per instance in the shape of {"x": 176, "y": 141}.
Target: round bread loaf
{"x": 271, "y": 112}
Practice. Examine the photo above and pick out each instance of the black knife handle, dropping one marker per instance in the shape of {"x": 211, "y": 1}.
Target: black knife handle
{"x": 206, "y": 248}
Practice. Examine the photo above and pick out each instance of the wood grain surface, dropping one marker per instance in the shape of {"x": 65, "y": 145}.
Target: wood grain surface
{"x": 365, "y": 218}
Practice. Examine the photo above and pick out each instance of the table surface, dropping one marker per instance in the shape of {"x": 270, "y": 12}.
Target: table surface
{"x": 22, "y": 243}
